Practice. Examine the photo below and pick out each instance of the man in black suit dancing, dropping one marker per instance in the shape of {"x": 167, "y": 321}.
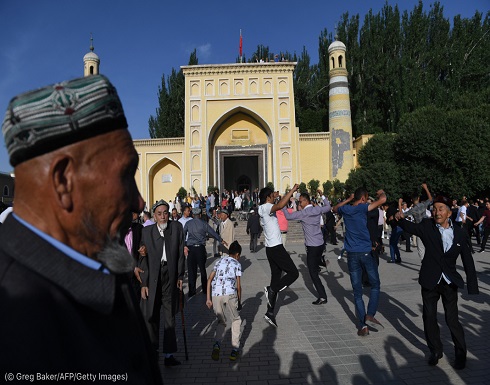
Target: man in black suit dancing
{"x": 444, "y": 243}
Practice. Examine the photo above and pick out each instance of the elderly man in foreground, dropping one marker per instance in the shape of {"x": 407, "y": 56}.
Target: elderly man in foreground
{"x": 67, "y": 303}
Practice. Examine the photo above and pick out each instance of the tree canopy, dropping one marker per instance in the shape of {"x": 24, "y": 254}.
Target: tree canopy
{"x": 447, "y": 149}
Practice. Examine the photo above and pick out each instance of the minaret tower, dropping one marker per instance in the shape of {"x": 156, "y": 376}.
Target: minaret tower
{"x": 339, "y": 116}
{"x": 91, "y": 61}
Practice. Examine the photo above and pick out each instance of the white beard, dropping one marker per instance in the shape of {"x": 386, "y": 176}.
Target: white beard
{"x": 162, "y": 226}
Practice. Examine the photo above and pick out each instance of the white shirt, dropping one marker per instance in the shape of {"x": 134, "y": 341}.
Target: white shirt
{"x": 381, "y": 217}
{"x": 183, "y": 220}
{"x": 4, "y": 214}
{"x": 459, "y": 217}
{"x": 269, "y": 223}
{"x": 164, "y": 254}
{"x": 227, "y": 270}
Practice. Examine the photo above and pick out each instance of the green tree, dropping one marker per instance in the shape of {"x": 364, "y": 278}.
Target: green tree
{"x": 327, "y": 188}
{"x": 212, "y": 189}
{"x": 313, "y": 186}
{"x": 302, "y": 188}
{"x": 378, "y": 167}
{"x": 169, "y": 120}
{"x": 270, "y": 185}
{"x": 444, "y": 148}
{"x": 182, "y": 193}
{"x": 428, "y": 149}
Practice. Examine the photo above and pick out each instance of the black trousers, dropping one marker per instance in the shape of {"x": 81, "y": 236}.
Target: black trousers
{"x": 253, "y": 241}
{"x": 197, "y": 257}
{"x": 486, "y": 233}
{"x": 164, "y": 301}
{"x": 408, "y": 240}
{"x": 313, "y": 259}
{"x": 330, "y": 229}
{"x": 449, "y": 295}
{"x": 471, "y": 228}
{"x": 280, "y": 261}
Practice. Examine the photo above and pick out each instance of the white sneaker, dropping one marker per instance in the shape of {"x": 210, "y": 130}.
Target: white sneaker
{"x": 340, "y": 256}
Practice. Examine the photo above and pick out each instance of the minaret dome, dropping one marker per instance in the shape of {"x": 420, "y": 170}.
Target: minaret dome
{"x": 91, "y": 61}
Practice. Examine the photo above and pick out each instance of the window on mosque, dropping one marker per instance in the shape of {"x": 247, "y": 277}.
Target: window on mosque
{"x": 340, "y": 61}
{"x": 91, "y": 70}
{"x": 333, "y": 63}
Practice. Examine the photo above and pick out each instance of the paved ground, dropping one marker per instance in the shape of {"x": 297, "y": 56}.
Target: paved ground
{"x": 319, "y": 344}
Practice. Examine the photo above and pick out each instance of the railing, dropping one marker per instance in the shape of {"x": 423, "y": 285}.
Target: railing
{"x": 304, "y": 136}
{"x": 159, "y": 142}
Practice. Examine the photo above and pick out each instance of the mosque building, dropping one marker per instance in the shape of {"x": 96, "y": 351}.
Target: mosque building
{"x": 240, "y": 131}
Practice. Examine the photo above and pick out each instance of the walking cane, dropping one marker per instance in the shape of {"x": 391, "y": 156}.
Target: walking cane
{"x": 183, "y": 323}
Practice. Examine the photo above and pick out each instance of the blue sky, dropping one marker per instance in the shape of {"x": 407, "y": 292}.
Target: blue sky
{"x": 43, "y": 42}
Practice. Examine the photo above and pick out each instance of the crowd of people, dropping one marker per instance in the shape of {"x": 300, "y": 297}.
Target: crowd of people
{"x": 86, "y": 269}
{"x": 366, "y": 222}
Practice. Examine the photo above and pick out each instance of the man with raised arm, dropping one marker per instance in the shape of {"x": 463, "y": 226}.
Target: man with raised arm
{"x": 358, "y": 246}
{"x": 310, "y": 216}
{"x": 279, "y": 259}
{"x": 439, "y": 278}
{"x": 418, "y": 212}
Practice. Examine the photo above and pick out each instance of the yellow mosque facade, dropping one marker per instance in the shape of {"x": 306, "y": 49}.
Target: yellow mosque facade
{"x": 240, "y": 132}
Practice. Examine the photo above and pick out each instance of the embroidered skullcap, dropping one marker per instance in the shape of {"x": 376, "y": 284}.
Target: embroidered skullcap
{"x": 41, "y": 121}
{"x": 443, "y": 199}
{"x": 161, "y": 202}
{"x": 196, "y": 211}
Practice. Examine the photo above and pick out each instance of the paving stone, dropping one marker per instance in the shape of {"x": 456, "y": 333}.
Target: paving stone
{"x": 319, "y": 344}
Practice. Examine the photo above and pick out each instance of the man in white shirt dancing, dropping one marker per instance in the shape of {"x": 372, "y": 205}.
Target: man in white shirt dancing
{"x": 279, "y": 259}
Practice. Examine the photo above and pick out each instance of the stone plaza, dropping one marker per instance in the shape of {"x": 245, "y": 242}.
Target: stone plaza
{"x": 319, "y": 344}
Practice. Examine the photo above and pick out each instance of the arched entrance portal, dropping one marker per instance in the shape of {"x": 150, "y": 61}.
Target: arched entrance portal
{"x": 240, "y": 151}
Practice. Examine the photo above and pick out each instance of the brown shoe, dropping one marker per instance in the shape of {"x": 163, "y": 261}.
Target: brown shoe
{"x": 363, "y": 332}
{"x": 373, "y": 322}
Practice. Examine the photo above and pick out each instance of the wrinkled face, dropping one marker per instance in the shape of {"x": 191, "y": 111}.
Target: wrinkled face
{"x": 161, "y": 214}
{"x": 107, "y": 188}
{"x": 303, "y": 202}
{"x": 441, "y": 213}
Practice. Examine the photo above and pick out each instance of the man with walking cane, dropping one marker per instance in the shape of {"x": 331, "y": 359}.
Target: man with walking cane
{"x": 162, "y": 263}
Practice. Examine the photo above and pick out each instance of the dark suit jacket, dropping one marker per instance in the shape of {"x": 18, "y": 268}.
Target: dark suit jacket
{"x": 437, "y": 261}
{"x": 253, "y": 224}
{"x": 174, "y": 248}
{"x": 136, "y": 229}
{"x": 58, "y": 315}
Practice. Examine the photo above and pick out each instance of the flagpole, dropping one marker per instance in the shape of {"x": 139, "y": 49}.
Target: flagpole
{"x": 241, "y": 42}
